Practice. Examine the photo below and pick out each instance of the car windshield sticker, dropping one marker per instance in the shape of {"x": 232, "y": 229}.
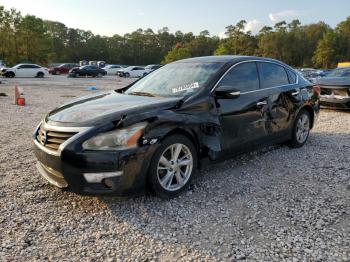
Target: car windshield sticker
{"x": 185, "y": 87}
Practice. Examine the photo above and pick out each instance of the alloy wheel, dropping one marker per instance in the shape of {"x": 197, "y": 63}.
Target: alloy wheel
{"x": 175, "y": 167}
{"x": 303, "y": 128}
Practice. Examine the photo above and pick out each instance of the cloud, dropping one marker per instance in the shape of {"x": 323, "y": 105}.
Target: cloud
{"x": 254, "y": 26}
{"x": 222, "y": 35}
{"x": 283, "y": 15}
{"x": 141, "y": 13}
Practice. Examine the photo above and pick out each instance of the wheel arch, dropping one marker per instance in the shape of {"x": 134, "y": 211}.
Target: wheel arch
{"x": 190, "y": 134}
{"x": 9, "y": 73}
{"x": 310, "y": 110}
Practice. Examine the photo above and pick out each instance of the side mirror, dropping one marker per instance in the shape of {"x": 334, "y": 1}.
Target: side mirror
{"x": 227, "y": 92}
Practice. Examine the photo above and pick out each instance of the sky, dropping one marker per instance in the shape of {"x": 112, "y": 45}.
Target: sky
{"x": 108, "y": 17}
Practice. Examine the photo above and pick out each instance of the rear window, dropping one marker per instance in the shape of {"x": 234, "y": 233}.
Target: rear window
{"x": 292, "y": 77}
{"x": 272, "y": 75}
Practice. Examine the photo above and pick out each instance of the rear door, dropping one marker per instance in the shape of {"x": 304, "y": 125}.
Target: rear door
{"x": 243, "y": 119}
{"x": 34, "y": 69}
{"x": 275, "y": 80}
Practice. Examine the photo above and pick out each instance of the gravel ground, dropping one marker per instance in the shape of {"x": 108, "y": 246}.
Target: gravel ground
{"x": 269, "y": 205}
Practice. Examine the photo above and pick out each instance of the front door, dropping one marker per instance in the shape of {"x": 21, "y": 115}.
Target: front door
{"x": 243, "y": 119}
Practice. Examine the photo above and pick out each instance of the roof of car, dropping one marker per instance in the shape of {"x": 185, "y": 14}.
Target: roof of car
{"x": 27, "y": 64}
{"x": 224, "y": 59}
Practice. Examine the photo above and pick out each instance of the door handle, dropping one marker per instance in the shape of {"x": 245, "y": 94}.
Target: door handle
{"x": 297, "y": 92}
{"x": 262, "y": 103}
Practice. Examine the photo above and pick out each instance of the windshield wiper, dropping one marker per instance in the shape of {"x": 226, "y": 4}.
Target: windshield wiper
{"x": 141, "y": 94}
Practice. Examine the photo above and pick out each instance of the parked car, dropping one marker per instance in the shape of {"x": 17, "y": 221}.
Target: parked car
{"x": 62, "y": 68}
{"x": 132, "y": 71}
{"x": 25, "y": 70}
{"x": 87, "y": 70}
{"x": 151, "y": 68}
{"x": 312, "y": 74}
{"x": 112, "y": 69}
{"x": 335, "y": 88}
{"x": 153, "y": 133}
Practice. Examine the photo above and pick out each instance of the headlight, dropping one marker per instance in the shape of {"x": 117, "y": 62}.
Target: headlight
{"x": 117, "y": 139}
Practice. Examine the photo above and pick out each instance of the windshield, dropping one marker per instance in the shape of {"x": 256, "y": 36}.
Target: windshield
{"x": 177, "y": 79}
{"x": 340, "y": 72}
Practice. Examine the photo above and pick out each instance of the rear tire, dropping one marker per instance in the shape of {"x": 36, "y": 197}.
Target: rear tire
{"x": 301, "y": 129}
{"x": 40, "y": 75}
{"x": 172, "y": 166}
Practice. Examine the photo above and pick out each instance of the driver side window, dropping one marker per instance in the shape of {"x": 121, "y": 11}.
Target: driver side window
{"x": 243, "y": 77}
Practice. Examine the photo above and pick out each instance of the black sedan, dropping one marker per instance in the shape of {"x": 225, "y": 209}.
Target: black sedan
{"x": 87, "y": 70}
{"x": 155, "y": 132}
{"x": 335, "y": 89}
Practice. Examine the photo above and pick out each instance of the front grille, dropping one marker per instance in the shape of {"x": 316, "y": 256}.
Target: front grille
{"x": 52, "y": 139}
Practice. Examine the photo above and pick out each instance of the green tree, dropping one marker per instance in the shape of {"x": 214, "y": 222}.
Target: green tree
{"x": 238, "y": 42}
{"x": 177, "y": 53}
{"x": 325, "y": 54}
{"x": 343, "y": 32}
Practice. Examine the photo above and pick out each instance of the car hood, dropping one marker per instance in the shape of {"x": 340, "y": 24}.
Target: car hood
{"x": 334, "y": 81}
{"x": 98, "y": 108}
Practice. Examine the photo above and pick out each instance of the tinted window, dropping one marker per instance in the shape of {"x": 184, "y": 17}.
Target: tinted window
{"x": 28, "y": 66}
{"x": 272, "y": 75}
{"x": 243, "y": 77}
{"x": 292, "y": 77}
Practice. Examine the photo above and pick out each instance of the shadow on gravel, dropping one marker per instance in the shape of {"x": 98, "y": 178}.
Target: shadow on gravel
{"x": 233, "y": 201}
{"x": 210, "y": 206}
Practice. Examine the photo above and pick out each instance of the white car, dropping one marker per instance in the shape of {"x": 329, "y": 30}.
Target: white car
{"x": 26, "y": 70}
{"x": 112, "y": 69}
{"x": 132, "y": 71}
{"x": 151, "y": 68}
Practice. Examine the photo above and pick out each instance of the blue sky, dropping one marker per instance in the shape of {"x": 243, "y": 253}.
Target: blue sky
{"x": 108, "y": 17}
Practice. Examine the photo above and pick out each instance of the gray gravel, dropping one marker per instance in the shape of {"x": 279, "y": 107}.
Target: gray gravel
{"x": 269, "y": 205}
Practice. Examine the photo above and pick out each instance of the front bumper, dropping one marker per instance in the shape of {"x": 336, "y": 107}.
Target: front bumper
{"x": 124, "y": 171}
{"x": 334, "y": 101}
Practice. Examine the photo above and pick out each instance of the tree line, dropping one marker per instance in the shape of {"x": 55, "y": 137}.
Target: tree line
{"x": 32, "y": 39}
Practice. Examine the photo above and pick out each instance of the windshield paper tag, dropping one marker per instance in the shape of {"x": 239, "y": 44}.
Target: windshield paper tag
{"x": 185, "y": 87}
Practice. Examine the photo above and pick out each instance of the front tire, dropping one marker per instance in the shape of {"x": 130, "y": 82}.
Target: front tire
{"x": 127, "y": 75}
{"x": 172, "y": 166}
{"x": 10, "y": 74}
{"x": 301, "y": 129}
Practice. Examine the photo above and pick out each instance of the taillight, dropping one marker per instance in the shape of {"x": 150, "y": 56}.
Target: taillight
{"x": 316, "y": 89}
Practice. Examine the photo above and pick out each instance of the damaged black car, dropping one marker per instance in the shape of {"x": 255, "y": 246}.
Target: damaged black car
{"x": 155, "y": 133}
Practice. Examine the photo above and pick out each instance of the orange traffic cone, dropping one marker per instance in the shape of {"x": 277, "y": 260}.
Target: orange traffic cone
{"x": 18, "y": 100}
{"x": 15, "y": 100}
